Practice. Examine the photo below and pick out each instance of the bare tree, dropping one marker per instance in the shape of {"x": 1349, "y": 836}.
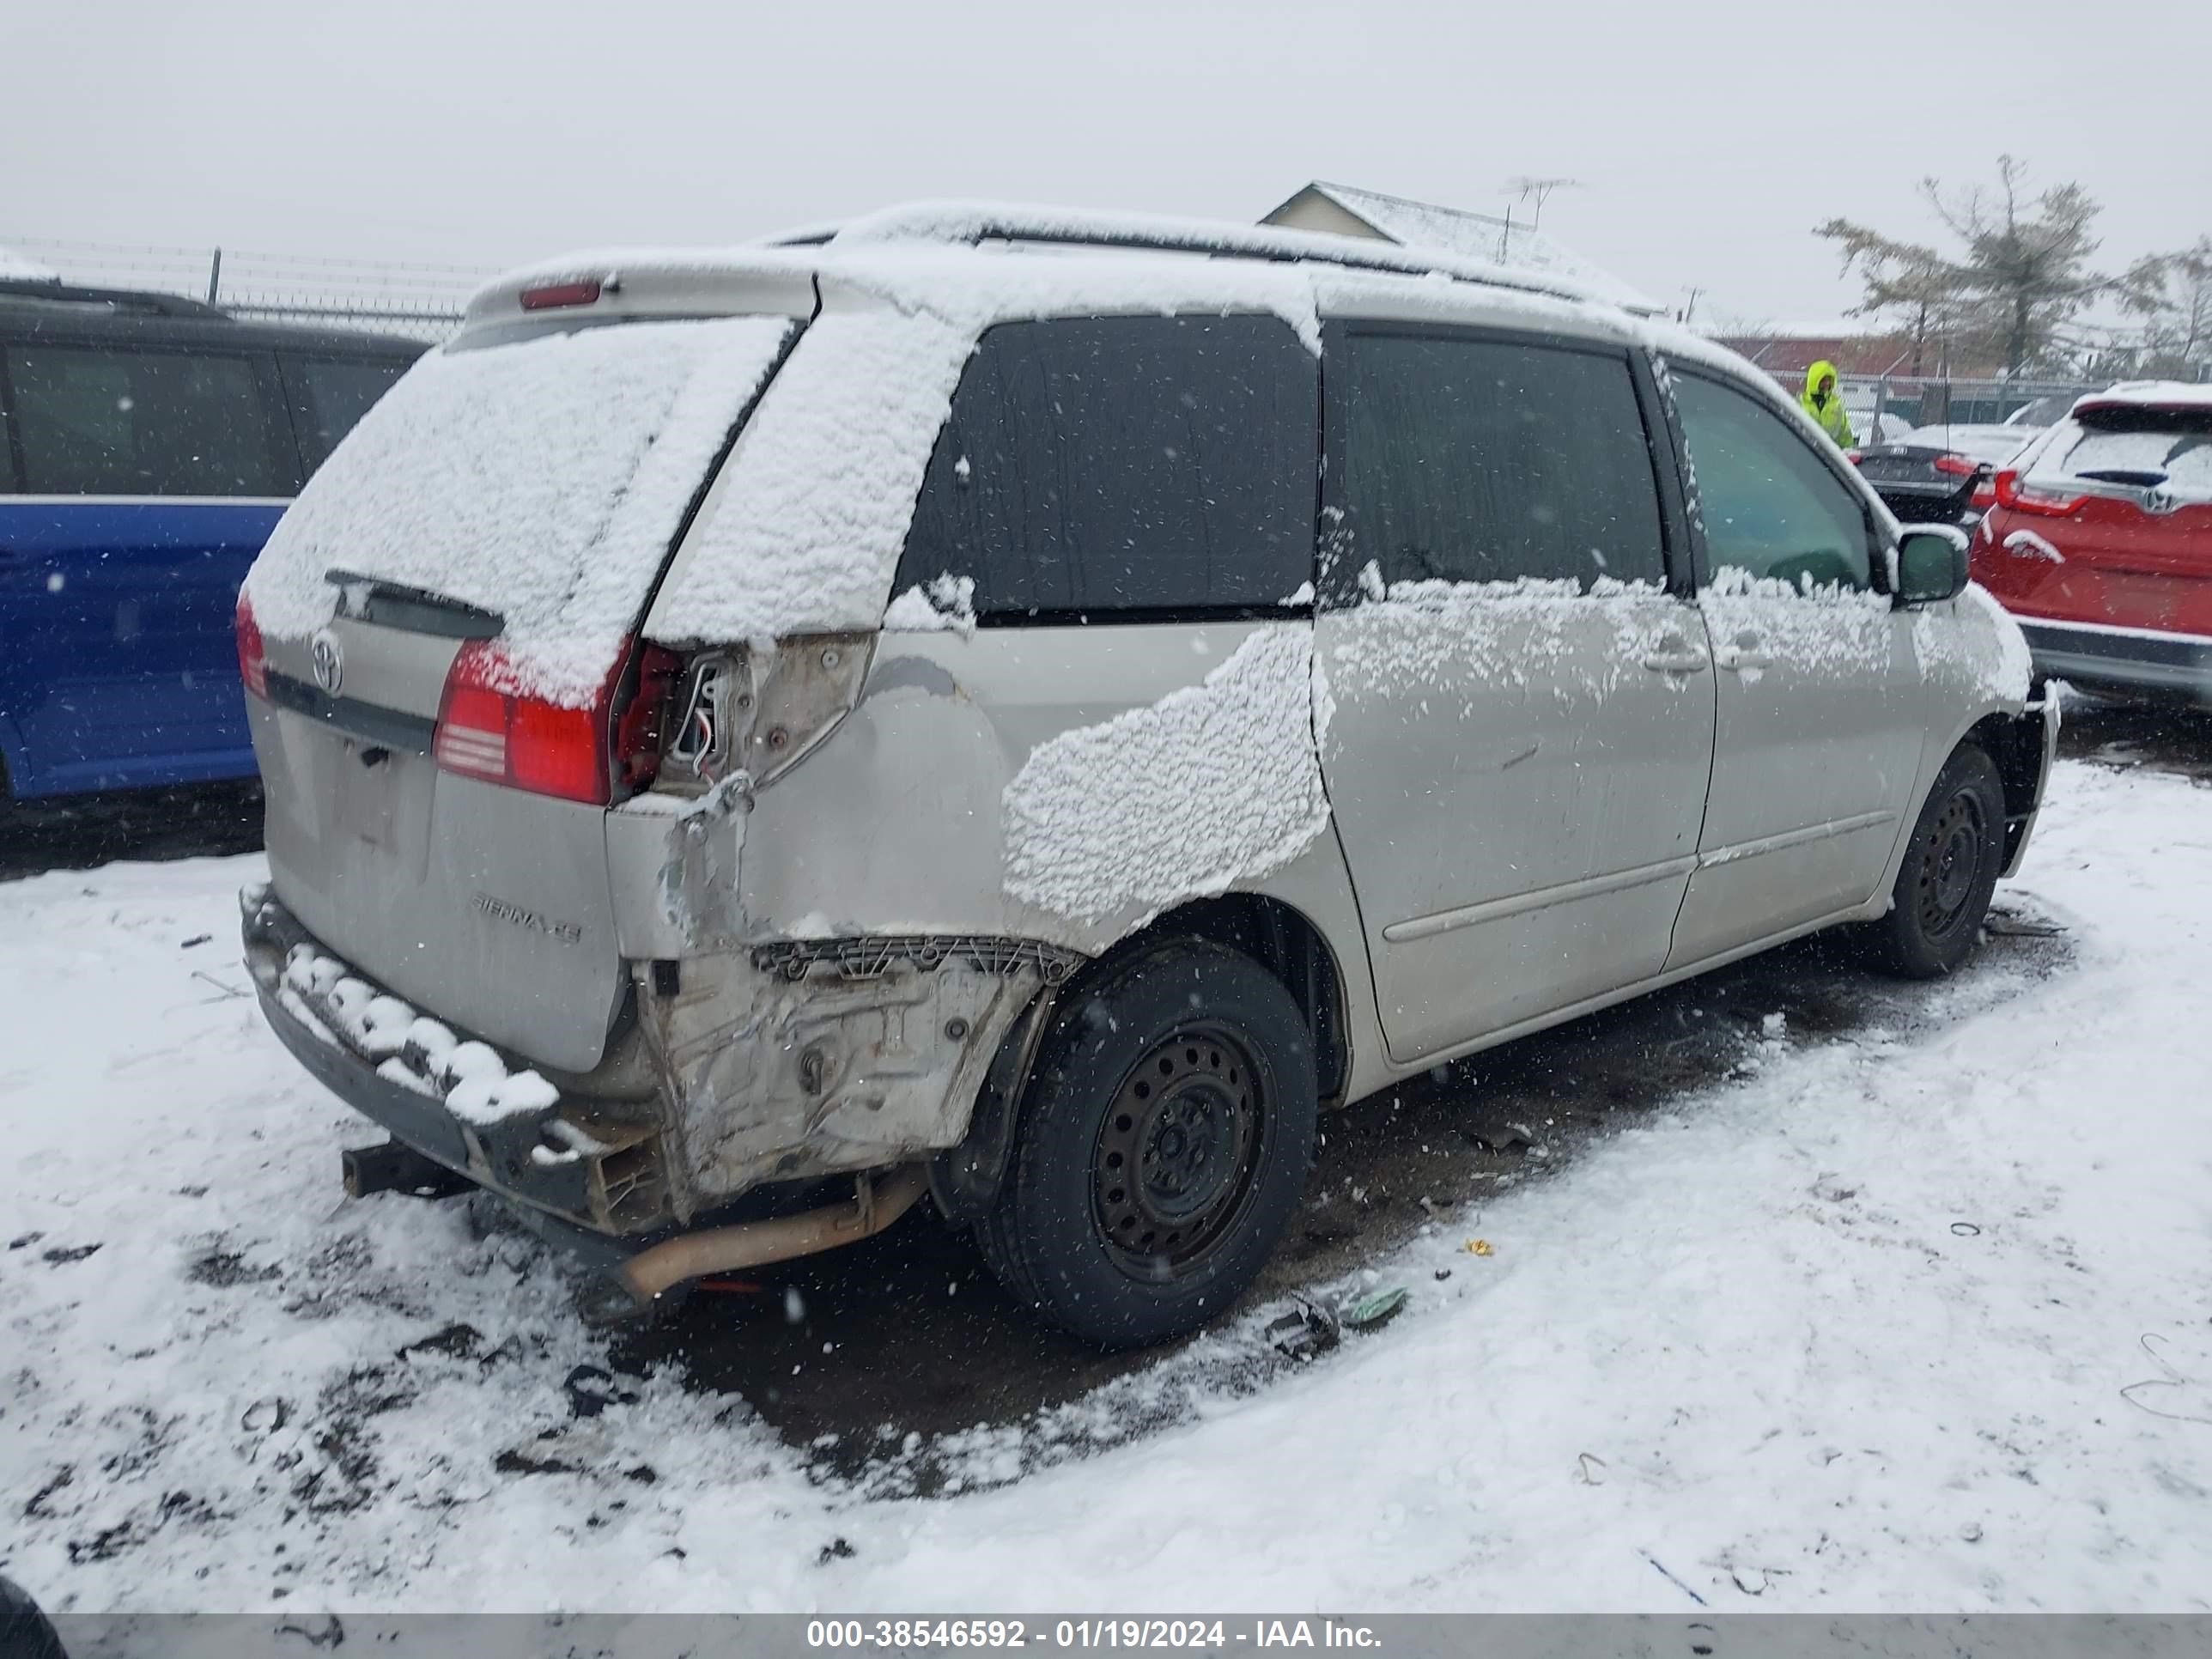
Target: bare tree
{"x": 1905, "y": 280}
{"x": 2023, "y": 272}
{"x": 2177, "y": 337}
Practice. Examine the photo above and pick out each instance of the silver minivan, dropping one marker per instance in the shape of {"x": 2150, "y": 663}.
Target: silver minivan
{"x": 1028, "y": 710}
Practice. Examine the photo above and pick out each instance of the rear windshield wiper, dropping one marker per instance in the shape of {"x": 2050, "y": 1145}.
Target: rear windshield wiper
{"x": 2139, "y": 479}
{"x": 414, "y": 610}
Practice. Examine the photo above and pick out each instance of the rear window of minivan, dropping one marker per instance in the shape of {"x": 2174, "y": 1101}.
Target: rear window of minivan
{"x": 329, "y": 396}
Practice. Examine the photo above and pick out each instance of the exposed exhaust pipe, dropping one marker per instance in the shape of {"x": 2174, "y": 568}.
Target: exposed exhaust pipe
{"x": 756, "y": 1243}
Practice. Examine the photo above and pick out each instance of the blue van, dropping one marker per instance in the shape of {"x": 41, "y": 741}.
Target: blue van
{"x": 150, "y": 445}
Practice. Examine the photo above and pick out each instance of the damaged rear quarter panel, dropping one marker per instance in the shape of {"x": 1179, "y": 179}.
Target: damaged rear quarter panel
{"x": 1168, "y": 761}
{"x": 907, "y": 824}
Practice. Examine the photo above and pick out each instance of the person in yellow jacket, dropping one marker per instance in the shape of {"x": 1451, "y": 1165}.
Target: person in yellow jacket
{"x": 1825, "y": 403}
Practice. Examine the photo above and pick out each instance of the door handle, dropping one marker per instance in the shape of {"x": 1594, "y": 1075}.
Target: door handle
{"x": 1679, "y": 660}
{"x": 1741, "y": 653}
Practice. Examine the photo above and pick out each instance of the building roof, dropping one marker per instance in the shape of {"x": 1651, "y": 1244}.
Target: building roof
{"x": 1483, "y": 236}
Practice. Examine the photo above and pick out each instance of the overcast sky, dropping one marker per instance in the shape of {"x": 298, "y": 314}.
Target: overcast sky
{"x": 1709, "y": 136}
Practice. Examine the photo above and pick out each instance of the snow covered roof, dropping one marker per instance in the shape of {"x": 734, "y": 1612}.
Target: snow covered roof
{"x": 14, "y": 268}
{"x": 1483, "y": 236}
{"x": 945, "y": 258}
{"x": 2150, "y": 394}
{"x": 540, "y": 471}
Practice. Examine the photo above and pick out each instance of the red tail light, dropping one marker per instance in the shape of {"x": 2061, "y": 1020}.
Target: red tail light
{"x": 2014, "y": 492}
{"x": 1855, "y": 458}
{"x": 252, "y": 656}
{"x": 1957, "y": 465}
{"x": 554, "y": 295}
{"x": 489, "y": 729}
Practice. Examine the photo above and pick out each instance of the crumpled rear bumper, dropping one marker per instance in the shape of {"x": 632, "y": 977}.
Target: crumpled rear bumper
{"x": 582, "y": 1163}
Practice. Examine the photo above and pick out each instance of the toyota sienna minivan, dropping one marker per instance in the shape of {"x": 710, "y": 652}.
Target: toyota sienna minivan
{"x": 1026, "y": 711}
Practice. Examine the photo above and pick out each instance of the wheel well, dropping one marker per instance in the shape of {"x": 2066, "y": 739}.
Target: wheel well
{"x": 1282, "y": 941}
{"x": 2014, "y": 742}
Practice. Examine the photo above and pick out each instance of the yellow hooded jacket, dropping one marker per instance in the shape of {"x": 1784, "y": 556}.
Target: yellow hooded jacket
{"x": 1830, "y": 416}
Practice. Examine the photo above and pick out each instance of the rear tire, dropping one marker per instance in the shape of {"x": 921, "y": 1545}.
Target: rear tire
{"x": 1950, "y": 869}
{"x": 1164, "y": 1138}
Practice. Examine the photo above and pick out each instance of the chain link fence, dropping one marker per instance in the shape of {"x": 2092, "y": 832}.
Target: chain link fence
{"x": 420, "y": 300}
{"x": 1883, "y": 405}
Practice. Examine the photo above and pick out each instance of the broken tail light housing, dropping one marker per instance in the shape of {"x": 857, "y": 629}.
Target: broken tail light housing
{"x": 2016, "y": 493}
{"x": 253, "y": 655}
{"x": 492, "y": 727}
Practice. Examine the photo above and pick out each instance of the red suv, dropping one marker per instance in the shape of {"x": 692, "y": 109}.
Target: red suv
{"x": 2100, "y": 542}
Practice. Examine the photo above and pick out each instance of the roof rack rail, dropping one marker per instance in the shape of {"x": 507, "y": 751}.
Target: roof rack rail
{"x": 123, "y": 298}
{"x": 970, "y": 222}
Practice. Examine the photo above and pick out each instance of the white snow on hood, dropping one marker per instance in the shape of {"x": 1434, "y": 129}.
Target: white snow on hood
{"x": 1214, "y": 784}
{"x": 542, "y": 480}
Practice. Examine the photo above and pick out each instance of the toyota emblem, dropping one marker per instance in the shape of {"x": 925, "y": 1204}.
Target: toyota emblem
{"x": 329, "y": 659}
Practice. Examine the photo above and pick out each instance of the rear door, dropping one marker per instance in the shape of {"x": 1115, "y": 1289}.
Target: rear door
{"x": 1821, "y": 718}
{"x": 149, "y": 475}
{"x": 1522, "y": 701}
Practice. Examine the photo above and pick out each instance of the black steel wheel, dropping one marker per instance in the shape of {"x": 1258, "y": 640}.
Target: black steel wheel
{"x": 1165, "y": 1136}
{"x": 1171, "y": 1172}
{"x": 1949, "y": 870}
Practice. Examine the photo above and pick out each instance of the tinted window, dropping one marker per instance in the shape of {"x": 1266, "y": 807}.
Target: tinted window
{"x": 1477, "y": 460}
{"x": 141, "y": 423}
{"x": 329, "y": 396}
{"x": 1124, "y": 462}
{"x": 1771, "y": 505}
{"x": 2145, "y": 447}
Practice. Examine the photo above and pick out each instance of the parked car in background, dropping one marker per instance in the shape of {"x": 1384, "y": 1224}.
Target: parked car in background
{"x": 2100, "y": 542}
{"x": 1942, "y": 474}
{"x": 802, "y": 727}
{"x": 150, "y": 444}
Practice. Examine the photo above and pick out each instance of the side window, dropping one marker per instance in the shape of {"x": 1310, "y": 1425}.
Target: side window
{"x": 96, "y": 422}
{"x": 1770, "y": 507}
{"x": 1118, "y": 464}
{"x": 1482, "y": 461}
{"x": 329, "y": 397}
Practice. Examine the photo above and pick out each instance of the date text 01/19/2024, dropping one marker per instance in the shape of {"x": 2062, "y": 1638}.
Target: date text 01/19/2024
{"x": 1203, "y": 1635}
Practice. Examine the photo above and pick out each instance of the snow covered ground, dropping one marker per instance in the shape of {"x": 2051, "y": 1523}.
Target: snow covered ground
{"x": 1911, "y": 1319}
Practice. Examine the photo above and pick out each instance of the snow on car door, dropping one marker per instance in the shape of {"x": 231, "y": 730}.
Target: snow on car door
{"x": 1820, "y": 721}
{"x": 1522, "y": 712}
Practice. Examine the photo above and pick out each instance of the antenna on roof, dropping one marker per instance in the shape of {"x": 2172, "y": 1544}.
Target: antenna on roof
{"x": 1534, "y": 192}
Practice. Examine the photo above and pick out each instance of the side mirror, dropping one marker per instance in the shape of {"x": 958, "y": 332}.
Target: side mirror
{"x": 1931, "y": 563}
